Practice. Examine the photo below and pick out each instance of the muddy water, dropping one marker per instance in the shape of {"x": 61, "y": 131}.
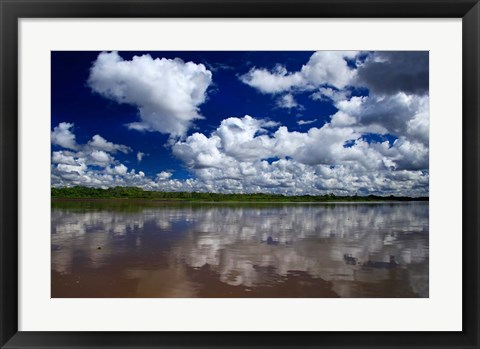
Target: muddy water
{"x": 146, "y": 249}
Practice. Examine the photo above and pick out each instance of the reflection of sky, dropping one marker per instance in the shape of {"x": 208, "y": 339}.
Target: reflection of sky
{"x": 236, "y": 242}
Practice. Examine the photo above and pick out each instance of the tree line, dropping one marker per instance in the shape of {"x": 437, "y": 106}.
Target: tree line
{"x": 81, "y": 192}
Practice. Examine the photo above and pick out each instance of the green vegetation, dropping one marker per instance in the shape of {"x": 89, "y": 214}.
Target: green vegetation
{"x": 138, "y": 193}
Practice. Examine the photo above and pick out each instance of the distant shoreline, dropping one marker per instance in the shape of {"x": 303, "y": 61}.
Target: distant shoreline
{"x": 134, "y": 193}
{"x": 58, "y": 199}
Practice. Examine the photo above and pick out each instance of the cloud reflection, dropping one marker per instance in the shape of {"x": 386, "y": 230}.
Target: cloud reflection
{"x": 239, "y": 243}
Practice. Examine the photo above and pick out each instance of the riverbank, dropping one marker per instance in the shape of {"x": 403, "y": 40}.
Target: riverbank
{"x": 133, "y": 193}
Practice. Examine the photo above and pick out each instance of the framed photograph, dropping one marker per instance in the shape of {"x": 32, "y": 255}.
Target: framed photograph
{"x": 239, "y": 174}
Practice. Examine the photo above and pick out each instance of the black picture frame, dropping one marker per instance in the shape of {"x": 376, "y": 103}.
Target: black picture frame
{"x": 11, "y": 11}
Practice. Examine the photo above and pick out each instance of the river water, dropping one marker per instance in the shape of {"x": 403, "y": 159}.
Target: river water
{"x": 164, "y": 249}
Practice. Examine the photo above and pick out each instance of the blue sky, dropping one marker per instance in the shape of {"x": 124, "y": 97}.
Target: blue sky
{"x": 284, "y": 122}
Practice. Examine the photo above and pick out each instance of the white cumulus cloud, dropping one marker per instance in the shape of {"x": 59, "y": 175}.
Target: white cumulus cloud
{"x": 99, "y": 143}
{"x": 140, "y": 156}
{"x": 75, "y": 163}
{"x": 167, "y": 92}
{"x": 306, "y": 122}
{"x": 164, "y": 175}
{"x": 100, "y": 158}
{"x": 323, "y": 67}
{"x": 240, "y": 157}
{"x": 63, "y": 136}
{"x": 288, "y": 102}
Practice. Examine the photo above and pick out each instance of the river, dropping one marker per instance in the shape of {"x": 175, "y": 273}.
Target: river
{"x": 163, "y": 249}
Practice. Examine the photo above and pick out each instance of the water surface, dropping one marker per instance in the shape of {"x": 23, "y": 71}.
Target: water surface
{"x": 162, "y": 249}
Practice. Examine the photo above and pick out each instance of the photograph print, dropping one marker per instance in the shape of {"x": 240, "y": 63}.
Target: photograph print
{"x": 240, "y": 174}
